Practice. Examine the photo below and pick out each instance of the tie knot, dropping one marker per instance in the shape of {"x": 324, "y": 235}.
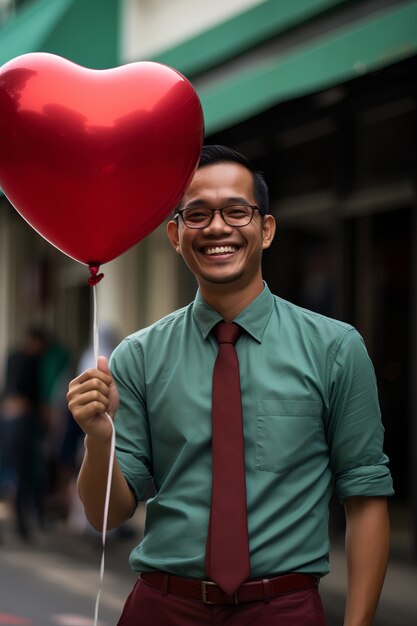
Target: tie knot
{"x": 227, "y": 332}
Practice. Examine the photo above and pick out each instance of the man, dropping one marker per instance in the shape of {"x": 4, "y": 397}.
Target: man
{"x": 310, "y": 419}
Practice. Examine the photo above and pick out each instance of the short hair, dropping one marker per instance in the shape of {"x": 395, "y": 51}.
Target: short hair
{"x": 213, "y": 154}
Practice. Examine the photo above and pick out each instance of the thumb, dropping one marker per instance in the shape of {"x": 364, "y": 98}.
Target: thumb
{"x": 103, "y": 365}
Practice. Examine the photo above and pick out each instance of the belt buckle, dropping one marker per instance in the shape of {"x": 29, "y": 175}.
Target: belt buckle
{"x": 204, "y": 591}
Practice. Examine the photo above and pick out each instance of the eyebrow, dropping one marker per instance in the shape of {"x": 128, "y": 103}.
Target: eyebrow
{"x": 198, "y": 202}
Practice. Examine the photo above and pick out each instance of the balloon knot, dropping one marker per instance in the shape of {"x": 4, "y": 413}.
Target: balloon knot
{"x": 95, "y": 276}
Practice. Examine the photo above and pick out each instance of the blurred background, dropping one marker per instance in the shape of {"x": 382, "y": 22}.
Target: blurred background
{"x": 321, "y": 95}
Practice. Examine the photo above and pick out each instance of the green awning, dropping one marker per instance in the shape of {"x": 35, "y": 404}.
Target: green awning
{"x": 241, "y": 32}
{"x": 363, "y": 46}
{"x": 85, "y": 32}
{"x": 31, "y": 27}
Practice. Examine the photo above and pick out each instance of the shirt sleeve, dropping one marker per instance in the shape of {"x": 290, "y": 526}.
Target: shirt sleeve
{"x": 355, "y": 431}
{"x": 133, "y": 446}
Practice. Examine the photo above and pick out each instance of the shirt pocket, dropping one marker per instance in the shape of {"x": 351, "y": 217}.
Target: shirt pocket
{"x": 285, "y": 433}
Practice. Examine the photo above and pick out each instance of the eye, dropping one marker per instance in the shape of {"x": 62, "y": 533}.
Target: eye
{"x": 196, "y": 214}
{"x": 236, "y": 211}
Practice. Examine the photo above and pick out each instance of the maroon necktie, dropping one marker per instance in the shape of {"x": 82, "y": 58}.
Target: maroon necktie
{"x": 227, "y": 552}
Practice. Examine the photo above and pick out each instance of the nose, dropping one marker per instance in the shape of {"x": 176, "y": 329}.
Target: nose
{"x": 217, "y": 223}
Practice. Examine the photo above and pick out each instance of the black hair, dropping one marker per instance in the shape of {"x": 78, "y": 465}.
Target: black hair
{"x": 221, "y": 154}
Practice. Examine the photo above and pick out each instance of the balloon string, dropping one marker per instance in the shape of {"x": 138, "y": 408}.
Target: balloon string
{"x": 95, "y": 325}
{"x": 111, "y": 459}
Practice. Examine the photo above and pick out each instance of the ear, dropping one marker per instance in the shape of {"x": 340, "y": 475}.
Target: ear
{"x": 173, "y": 235}
{"x": 268, "y": 230}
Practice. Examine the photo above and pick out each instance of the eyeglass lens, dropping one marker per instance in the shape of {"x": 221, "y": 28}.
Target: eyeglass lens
{"x": 234, "y": 215}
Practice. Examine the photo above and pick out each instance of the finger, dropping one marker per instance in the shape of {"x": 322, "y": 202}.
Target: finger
{"x": 91, "y": 374}
{"x": 93, "y": 408}
{"x": 91, "y": 397}
{"x": 86, "y": 406}
{"x": 94, "y": 384}
{"x": 103, "y": 365}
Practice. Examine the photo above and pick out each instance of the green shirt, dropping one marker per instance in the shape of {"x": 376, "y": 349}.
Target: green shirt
{"x": 311, "y": 421}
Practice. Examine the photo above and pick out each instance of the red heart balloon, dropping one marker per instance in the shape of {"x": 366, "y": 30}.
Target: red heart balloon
{"x": 95, "y": 160}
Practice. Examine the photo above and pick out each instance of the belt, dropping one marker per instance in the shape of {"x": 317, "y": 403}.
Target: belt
{"x": 210, "y": 593}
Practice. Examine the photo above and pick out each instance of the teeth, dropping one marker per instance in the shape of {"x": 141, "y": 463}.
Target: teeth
{"x": 220, "y": 250}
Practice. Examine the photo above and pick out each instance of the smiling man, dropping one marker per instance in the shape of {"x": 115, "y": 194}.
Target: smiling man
{"x": 221, "y": 232}
{"x": 245, "y": 411}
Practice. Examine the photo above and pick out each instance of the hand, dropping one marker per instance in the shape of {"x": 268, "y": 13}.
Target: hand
{"x": 90, "y": 396}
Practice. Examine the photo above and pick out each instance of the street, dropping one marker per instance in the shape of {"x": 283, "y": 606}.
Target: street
{"x": 55, "y": 582}
{"x": 46, "y": 586}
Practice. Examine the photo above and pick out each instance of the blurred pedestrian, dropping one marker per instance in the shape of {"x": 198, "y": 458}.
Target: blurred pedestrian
{"x": 20, "y": 428}
{"x": 55, "y": 371}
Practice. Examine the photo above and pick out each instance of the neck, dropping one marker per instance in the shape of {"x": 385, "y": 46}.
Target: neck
{"x": 229, "y": 301}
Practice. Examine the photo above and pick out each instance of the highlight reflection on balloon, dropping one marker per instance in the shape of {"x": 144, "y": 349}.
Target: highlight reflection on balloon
{"x": 95, "y": 160}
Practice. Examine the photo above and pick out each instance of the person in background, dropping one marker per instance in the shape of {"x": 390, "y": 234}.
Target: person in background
{"x": 20, "y": 428}
{"x": 310, "y": 420}
{"x": 54, "y": 373}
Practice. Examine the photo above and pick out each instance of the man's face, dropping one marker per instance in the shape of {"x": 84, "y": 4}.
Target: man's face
{"x": 220, "y": 253}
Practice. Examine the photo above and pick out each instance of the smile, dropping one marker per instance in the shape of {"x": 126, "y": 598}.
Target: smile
{"x": 221, "y": 250}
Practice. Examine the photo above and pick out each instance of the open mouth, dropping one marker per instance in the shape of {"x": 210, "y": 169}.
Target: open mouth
{"x": 219, "y": 250}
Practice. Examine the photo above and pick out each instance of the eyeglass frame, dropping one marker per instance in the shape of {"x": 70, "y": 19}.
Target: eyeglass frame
{"x": 254, "y": 208}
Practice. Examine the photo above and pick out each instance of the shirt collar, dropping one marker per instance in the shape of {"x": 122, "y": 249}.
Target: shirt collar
{"x": 253, "y": 319}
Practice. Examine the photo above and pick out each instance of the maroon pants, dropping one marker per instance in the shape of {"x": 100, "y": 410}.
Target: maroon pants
{"x": 148, "y": 607}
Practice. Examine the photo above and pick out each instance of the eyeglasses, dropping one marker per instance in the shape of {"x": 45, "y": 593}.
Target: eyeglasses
{"x": 233, "y": 215}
